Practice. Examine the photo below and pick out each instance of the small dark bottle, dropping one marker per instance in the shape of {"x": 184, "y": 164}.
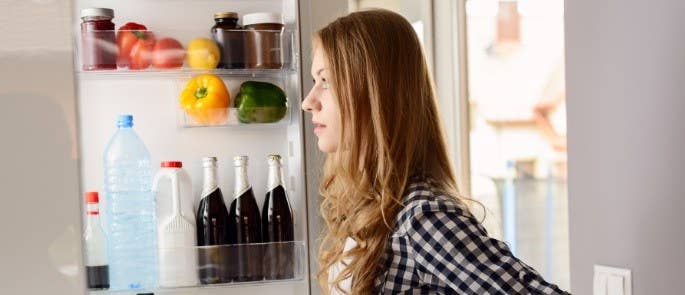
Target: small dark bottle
{"x": 231, "y": 40}
{"x": 97, "y": 268}
{"x": 277, "y": 226}
{"x": 245, "y": 220}
{"x": 212, "y": 229}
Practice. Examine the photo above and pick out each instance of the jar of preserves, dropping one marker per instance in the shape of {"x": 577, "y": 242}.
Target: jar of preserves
{"x": 264, "y": 31}
{"x": 98, "y": 40}
{"x": 231, "y": 40}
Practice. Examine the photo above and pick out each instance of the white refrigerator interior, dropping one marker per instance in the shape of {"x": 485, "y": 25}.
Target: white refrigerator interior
{"x": 152, "y": 97}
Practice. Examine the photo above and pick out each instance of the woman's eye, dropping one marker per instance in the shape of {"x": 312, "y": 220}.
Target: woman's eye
{"x": 324, "y": 84}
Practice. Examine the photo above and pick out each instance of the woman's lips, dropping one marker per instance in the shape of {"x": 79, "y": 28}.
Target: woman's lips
{"x": 318, "y": 128}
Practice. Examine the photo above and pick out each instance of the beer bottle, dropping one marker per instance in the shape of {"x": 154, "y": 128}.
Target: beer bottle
{"x": 245, "y": 219}
{"x": 277, "y": 225}
{"x": 212, "y": 228}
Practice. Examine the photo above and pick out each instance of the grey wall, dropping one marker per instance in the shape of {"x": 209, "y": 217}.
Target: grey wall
{"x": 314, "y": 15}
{"x": 626, "y": 115}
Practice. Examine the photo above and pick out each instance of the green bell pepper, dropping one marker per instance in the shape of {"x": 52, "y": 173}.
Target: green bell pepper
{"x": 260, "y": 102}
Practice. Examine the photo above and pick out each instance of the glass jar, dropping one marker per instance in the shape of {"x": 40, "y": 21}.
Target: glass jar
{"x": 98, "y": 40}
{"x": 264, "y": 31}
{"x": 231, "y": 40}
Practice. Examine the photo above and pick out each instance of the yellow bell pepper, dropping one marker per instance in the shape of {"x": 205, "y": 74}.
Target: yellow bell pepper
{"x": 206, "y": 99}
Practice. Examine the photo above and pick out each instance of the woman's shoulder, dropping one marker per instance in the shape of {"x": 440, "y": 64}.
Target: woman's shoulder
{"x": 422, "y": 198}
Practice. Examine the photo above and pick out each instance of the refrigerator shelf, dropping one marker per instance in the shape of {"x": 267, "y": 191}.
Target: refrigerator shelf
{"x": 283, "y": 262}
{"x": 98, "y": 56}
{"x": 231, "y": 118}
{"x": 184, "y": 72}
{"x": 192, "y": 289}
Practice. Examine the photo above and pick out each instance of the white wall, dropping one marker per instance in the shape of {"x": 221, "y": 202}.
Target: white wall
{"x": 626, "y": 117}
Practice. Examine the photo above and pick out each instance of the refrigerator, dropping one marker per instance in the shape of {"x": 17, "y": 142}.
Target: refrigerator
{"x": 56, "y": 156}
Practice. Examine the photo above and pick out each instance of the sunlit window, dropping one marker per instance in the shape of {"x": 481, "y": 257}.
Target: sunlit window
{"x": 518, "y": 127}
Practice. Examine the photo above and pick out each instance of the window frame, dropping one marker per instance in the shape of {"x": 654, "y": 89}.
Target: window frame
{"x": 450, "y": 73}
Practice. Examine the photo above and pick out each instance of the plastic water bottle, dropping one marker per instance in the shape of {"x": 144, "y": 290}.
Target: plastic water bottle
{"x": 130, "y": 210}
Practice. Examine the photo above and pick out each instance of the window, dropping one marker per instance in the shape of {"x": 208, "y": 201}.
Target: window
{"x": 517, "y": 136}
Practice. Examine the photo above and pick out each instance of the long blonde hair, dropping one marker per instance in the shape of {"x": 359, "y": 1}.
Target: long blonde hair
{"x": 390, "y": 131}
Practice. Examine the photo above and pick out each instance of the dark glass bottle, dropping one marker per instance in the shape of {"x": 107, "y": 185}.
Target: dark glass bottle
{"x": 98, "y": 42}
{"x": 277, "y": 226}
{"x": 97, "y": 268}
{"x": 231, "y": 40}
{"x": 212, "y": 229}
{"x": 245, "y": 219}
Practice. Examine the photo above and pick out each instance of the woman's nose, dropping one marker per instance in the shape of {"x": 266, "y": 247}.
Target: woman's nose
{"x": 308, "y": 102}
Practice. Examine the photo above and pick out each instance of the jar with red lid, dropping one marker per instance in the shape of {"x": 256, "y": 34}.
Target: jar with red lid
{"x": 98, "y": 40}
{"x": 264, "y": 31}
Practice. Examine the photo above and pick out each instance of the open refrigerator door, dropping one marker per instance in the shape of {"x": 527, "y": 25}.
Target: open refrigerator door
{"x": 249, "y": 106}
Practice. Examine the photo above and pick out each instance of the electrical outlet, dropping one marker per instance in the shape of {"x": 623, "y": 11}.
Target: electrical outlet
{"x": 612, "y": 281}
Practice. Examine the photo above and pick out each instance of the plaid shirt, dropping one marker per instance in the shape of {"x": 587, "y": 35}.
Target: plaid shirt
{"x": 439, "y": 248}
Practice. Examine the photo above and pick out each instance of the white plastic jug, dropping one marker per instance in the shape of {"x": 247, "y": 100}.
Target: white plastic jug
{"x": 176, "y": 233}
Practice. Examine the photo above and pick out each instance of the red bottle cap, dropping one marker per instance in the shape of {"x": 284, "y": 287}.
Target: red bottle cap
{"x": 172, "y": 164}
{"x": 92, "y": 198}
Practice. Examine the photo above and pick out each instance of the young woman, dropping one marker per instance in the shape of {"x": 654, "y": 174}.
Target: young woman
{"x": 396, "y": 221}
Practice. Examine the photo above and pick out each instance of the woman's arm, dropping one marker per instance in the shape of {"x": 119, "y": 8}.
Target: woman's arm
{"x": 453, "y": 250}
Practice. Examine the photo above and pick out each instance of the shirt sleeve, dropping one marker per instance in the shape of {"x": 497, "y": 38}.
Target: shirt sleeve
{"x": 455, "y": 250}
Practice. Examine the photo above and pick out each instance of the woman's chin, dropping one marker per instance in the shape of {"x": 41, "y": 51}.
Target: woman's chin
{"x": 326, "y": 147}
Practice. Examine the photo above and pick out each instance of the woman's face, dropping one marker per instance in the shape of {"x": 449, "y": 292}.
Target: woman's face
{"x": 322, "y": 104}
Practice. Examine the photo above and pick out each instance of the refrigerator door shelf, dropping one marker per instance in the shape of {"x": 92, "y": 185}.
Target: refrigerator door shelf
{"x": 92, "y": 48}
{"x": 253, "y": 118}
{"x": 232, "y": 119}
{"x": 152, "y": 73}
{"x": 283, "y": 263}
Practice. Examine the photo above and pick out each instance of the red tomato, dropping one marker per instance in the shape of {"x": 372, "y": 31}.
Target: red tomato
{"x": 127, "y": 36}
{"x": 168, "y": 53}
{"x": 141, "y": 53}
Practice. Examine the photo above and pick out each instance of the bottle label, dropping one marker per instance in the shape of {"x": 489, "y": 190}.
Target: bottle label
{"x": 208, "y": 191}
{"x": 272, "y": 187}
{"x": 275, "y": 178}
{"x": 242, "y": 192}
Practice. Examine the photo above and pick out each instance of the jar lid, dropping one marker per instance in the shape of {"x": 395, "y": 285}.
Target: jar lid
{"x": 229, "y": 14}
{"x": 262, "y": 18}
{"x": 95, "y": 12}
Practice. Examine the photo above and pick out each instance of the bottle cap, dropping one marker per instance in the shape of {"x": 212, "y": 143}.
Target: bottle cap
{"x": 262, "y": 18}
{"x": 97, "y": 12}
{"x": 208, "y": 162}
{"x": 239, "y": 161}
{"x": 172, "y": 164}
{"x": 125, "y": 120}
{"x": 92, "y": 198}
{"x": 230, "y": 14}
{"x": 273, "y": 159}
